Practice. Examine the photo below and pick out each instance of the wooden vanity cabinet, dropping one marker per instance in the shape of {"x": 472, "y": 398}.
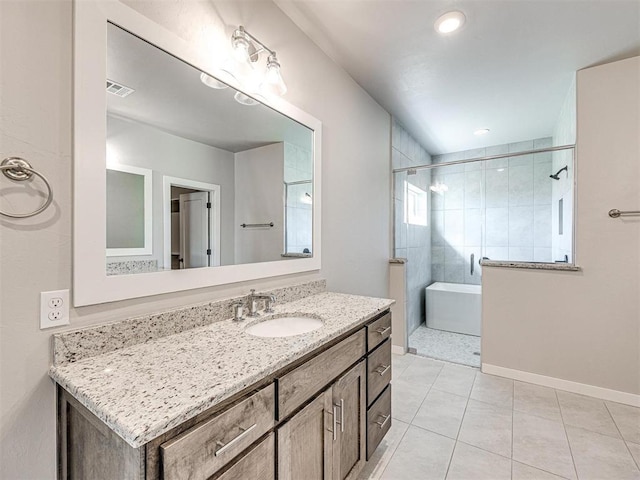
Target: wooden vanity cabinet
{"x": 324, "y": 413}
{"x": 326, "y": 440}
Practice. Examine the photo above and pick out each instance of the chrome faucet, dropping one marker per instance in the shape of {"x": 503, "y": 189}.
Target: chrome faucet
{"x": 269, "y": 299}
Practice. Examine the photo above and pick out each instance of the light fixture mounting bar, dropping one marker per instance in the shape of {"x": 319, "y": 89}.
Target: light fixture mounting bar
{"x": 263, "y": 47}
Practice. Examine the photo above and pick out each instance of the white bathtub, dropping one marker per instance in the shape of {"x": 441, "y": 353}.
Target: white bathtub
{"x": 454, "y": 307}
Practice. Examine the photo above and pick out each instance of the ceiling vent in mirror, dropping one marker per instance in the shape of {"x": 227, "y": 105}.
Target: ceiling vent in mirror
{"x": 118, "y": 89}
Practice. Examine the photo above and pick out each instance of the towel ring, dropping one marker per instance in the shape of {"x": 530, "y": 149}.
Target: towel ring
{"x": 18, "y": 169}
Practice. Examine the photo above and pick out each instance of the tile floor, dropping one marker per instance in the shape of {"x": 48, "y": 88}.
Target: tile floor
{"x": 455, "y": 422}
{"x": 448, "y": 346}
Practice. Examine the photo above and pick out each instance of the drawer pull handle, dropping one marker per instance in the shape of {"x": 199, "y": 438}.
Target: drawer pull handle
{"x": 382, "y": 331}
{"x": 227, "y": 446}
{"x": 385, "y": 369}
{"x": 335, "y": 421}
{"x": 384, "y": 422}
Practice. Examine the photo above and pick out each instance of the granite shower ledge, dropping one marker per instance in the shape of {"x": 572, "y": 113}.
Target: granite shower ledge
{"x": 144, "y": 390}
{"x": 567, "y": 267}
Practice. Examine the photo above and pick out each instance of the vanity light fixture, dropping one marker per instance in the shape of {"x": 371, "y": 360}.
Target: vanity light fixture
{"x": 481, "y": 131}
{"x": 449, "y": 22}
{"x": 246, "y": 53}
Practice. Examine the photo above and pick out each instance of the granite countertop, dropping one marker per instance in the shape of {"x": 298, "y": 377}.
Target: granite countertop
{"x": 144, "y": 390}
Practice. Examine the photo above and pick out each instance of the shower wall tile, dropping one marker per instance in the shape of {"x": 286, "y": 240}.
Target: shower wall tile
{"x": 473, "y": 181}
{"x": 520, "y": 161}
{"x": 497, "y": 227}
{"x": 542, "y": 254}
{"x": 542, "y": 184}
{"x": 413, "y": 241}
{"x": 497, "y": 188}
{"x": 454, "y": 227}
{"x": 437, "y": 272}
{"x": 453, "y": 255}
{"x": 437, "y": 227}
{"x": 546, "y": 142}
{"x": 473, "y": 226}
{"x": 542, "y": 157}
{"x": 437, "y": 199}
{"x": 475, "y": 153}
{"x": 521, "y": 185}
{"x": 520, "y": 231}
{"x": 521, "y": 146}
{"x": 497, "y": 253}
{"x": 542, "y": 226}
{"x": 498, "y": 162}
{"x": 454, "y": 196}
{"x": 454, "y": 273}
{"x": 437, "y": 255}
{"x": 520, "y": 254}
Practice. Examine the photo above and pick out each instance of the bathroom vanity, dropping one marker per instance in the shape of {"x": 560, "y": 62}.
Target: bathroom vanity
{"x": 216, "y": 402}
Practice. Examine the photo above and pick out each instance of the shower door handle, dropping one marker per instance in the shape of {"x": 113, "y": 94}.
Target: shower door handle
{"x": 472, "y": 262}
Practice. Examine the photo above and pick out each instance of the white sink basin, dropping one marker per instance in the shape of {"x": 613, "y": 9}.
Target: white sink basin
{"x": 284, "y": 327}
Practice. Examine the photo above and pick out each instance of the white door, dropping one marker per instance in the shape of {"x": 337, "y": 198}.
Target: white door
{"x": 194, "y": 230}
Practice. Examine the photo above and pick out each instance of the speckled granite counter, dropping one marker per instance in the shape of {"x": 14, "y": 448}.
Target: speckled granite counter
{"x": 567, "y": 267}
{"x": 144, "y": 390}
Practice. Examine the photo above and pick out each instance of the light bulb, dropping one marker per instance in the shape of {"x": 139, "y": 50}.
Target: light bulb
{"x": 243, "y": 99}
{"x": 212, "y": 82}
{"x": 273, "y": 82}
{"x": 240, "y": 44}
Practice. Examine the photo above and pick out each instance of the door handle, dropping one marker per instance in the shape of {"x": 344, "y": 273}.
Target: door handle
{"x": 472, "y": 262}
{"x": 335, "y": 421}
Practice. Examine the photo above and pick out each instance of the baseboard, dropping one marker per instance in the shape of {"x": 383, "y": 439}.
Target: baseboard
{"x": 567, "y": 385}
{"x": 398, "y": 350}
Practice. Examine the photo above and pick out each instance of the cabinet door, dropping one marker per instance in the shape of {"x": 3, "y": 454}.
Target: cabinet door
{"x": 305, "y": 442}
{"x": 349, "y": 399}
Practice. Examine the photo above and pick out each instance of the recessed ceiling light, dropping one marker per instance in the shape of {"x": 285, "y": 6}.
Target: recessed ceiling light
{"x": 482, "y": 131}
{"x": 449, "y": 22}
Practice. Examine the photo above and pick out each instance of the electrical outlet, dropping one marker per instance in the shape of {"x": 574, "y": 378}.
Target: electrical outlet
{"x": 54, "y": 308}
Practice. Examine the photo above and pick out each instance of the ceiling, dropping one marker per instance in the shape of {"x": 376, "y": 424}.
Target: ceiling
{"x": 170, "y": 96}
{"x": 508, "y": 69}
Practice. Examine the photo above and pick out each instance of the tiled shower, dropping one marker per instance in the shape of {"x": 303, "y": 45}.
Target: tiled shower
{"x": 448, "y": 218}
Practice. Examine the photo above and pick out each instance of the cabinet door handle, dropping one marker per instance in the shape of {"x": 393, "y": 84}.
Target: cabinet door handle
{"x": 384, "y": 422}
{"x": 227, "y": 446}
{"x": 335, "y": 421}
{"x": 342, "y": 414}
{"x": 382, "y": 331}
{"x": 385, "y": 369}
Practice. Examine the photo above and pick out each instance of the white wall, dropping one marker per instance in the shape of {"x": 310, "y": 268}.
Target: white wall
{"x": 139, "y": 145}
{"x": 259, "y": 199}
{"x": 583, "y": 326}
{"x": 35, "y": 122}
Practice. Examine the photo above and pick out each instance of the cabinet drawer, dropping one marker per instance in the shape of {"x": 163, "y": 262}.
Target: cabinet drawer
{"x": 378, "y": 370}
{"x": 302, "y": 383}
{"x": 259, "y": 463}
{"x": 202, "y": 450}
{"x": 378, "y": 331}
{"x": 378, "y": 421}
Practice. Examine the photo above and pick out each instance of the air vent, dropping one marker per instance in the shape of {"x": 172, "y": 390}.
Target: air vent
{"x": 118, "y": 89}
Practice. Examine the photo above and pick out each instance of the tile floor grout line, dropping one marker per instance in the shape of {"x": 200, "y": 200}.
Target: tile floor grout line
{"x": 394, "y": 451}
{"x": 621, "y": 436}
{"x": 538, "y": 468}
{"x": 566, "y": 434}
{"x": 453, "y": 452}
{"x": 466, "y": 406}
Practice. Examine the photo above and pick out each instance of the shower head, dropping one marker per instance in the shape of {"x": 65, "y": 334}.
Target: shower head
{"x": 557, "y": 175}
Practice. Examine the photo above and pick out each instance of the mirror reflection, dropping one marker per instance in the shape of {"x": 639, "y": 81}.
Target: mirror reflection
{"x": 230, "y": 182}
